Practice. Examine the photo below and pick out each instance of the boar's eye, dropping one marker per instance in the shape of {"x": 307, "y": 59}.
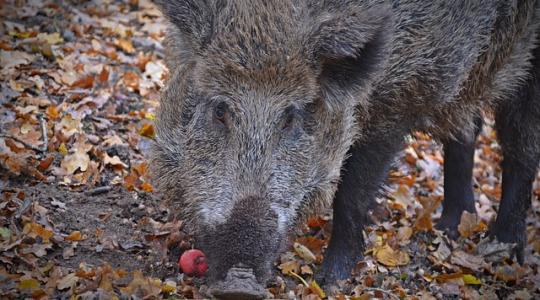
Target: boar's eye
{"x": 220, "y": 112}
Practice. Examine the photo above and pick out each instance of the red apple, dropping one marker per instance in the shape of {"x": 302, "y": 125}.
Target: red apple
{"x": 193, "y": 263}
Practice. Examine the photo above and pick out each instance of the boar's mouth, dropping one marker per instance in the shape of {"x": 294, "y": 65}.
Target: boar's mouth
{"x": 241, "y": 284}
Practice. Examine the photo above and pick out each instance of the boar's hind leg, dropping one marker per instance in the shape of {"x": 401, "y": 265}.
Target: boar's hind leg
{"x": 362, "y": 175}
{"x": 518, "y": 128}
{"x": 458, "y": 189}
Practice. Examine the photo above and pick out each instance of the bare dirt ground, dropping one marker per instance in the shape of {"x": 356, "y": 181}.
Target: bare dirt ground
{"x": 80, "y": 83}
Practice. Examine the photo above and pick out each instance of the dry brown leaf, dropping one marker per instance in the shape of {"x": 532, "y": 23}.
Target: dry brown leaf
{"x": 74, "y": 236}
{"x": 314, "y": 244}
{"x": 424, "y": 220}
{"x": 147, "y": 130}
{"x": 113, "y": 161}
{"x": 469, "y": 225}
{"x": 509, "y": 273}
{"x": 455, "y": 278}
{"x": 86, "y": 82}
{"x": 289, "y": 266}
{"x": 147, "y": 187}
{"x": 67, "y": 281}
{"x": 473, "y": 262}
{"x": 79, "y": 160}
{"x": 390, "y": 257}
{"x": 314, "y": 287}
{"x": 404, "y": 233}
{"x": 126, "y": 45}
{"x": 304, "y": 252}
{"x": 38, "y": 230}
{"x": 131, "y": 79}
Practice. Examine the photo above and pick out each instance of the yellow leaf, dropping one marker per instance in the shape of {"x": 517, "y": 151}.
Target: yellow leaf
{"x": 470, "y": 279}
{"x": 150, "y": 116}
{"x": 390, "y": 257}
{"x": 30, "y": 284}
{"x": 21, "y": 35}
{"x": 314, "y": 287}
{"x": 62, "y": 149}
{"x": 169, "y": 287}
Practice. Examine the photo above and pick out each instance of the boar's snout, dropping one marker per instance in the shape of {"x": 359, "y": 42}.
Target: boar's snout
{"x": 240, "y": 283}
{"x": 242, "y": 249}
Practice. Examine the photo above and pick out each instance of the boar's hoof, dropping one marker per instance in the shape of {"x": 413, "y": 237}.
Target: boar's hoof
{"x": 241, "y": 284}
{"x": 448, "y": 226}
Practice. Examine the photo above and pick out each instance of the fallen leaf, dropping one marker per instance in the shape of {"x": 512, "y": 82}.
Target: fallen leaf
{"x": 10, "y": 59}
{"x": 67, "y": 281}
{"x": 390, "y": 257}
{"x": 131, "y": 80}
{"x": 468, "y": 225}
{"x": 314, "y": 287}
{"x": 473, "y": 262}
{"x": 76, "y": 161}
{"x": 471, "y": 280}
{"x": 147, "y": 187}
{"x": 38, "y": 230}
{"x": 424, "y": 220}
{"x": 5, "y": 233}
{"x": 29, "y": 284}
{"x": 147, "y": 130}
{"x": 404, "y": 233}
{"x": 126, "y": 45}
{"x": 289, "y": 266}
{"x": 74, "y": 236}
{"x": 86, "y": 82}
{"x": 509, "y": 273}
{"x": 169, "y": 287}
{"x": 304, "y": 252}
{"x": 50, "y": 38}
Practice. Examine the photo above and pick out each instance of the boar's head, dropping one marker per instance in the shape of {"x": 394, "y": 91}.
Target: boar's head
{"x": 260, "y": 110}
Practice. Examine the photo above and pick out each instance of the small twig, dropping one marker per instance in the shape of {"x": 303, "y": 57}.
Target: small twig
{"x": 99, "y": 190}
{"x": 43, "y": 125}
{"x": 389, "y": 294}
{"x": 299, "y": 277}
{"x": 8, "y": 136}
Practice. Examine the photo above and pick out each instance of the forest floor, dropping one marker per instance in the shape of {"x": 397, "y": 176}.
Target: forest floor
{"x": 80, "y": 83}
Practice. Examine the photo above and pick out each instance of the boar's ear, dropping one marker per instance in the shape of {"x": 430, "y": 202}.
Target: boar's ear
{"x": 193, "y": 19}
{"x": 350, "y": 48}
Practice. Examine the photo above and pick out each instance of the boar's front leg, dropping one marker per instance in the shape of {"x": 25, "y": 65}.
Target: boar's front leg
{"x": 458, "y": 179}
{"x": 363, "y": 172}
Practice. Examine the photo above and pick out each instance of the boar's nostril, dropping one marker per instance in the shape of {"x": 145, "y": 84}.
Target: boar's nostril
{"x": 240, "y": 283}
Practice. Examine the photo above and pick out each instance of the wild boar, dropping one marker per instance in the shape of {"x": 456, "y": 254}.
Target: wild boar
{"x": 276, "y": 108}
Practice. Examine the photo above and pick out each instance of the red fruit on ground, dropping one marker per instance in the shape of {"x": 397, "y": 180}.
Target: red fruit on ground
{"x": 193, "y": 263}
